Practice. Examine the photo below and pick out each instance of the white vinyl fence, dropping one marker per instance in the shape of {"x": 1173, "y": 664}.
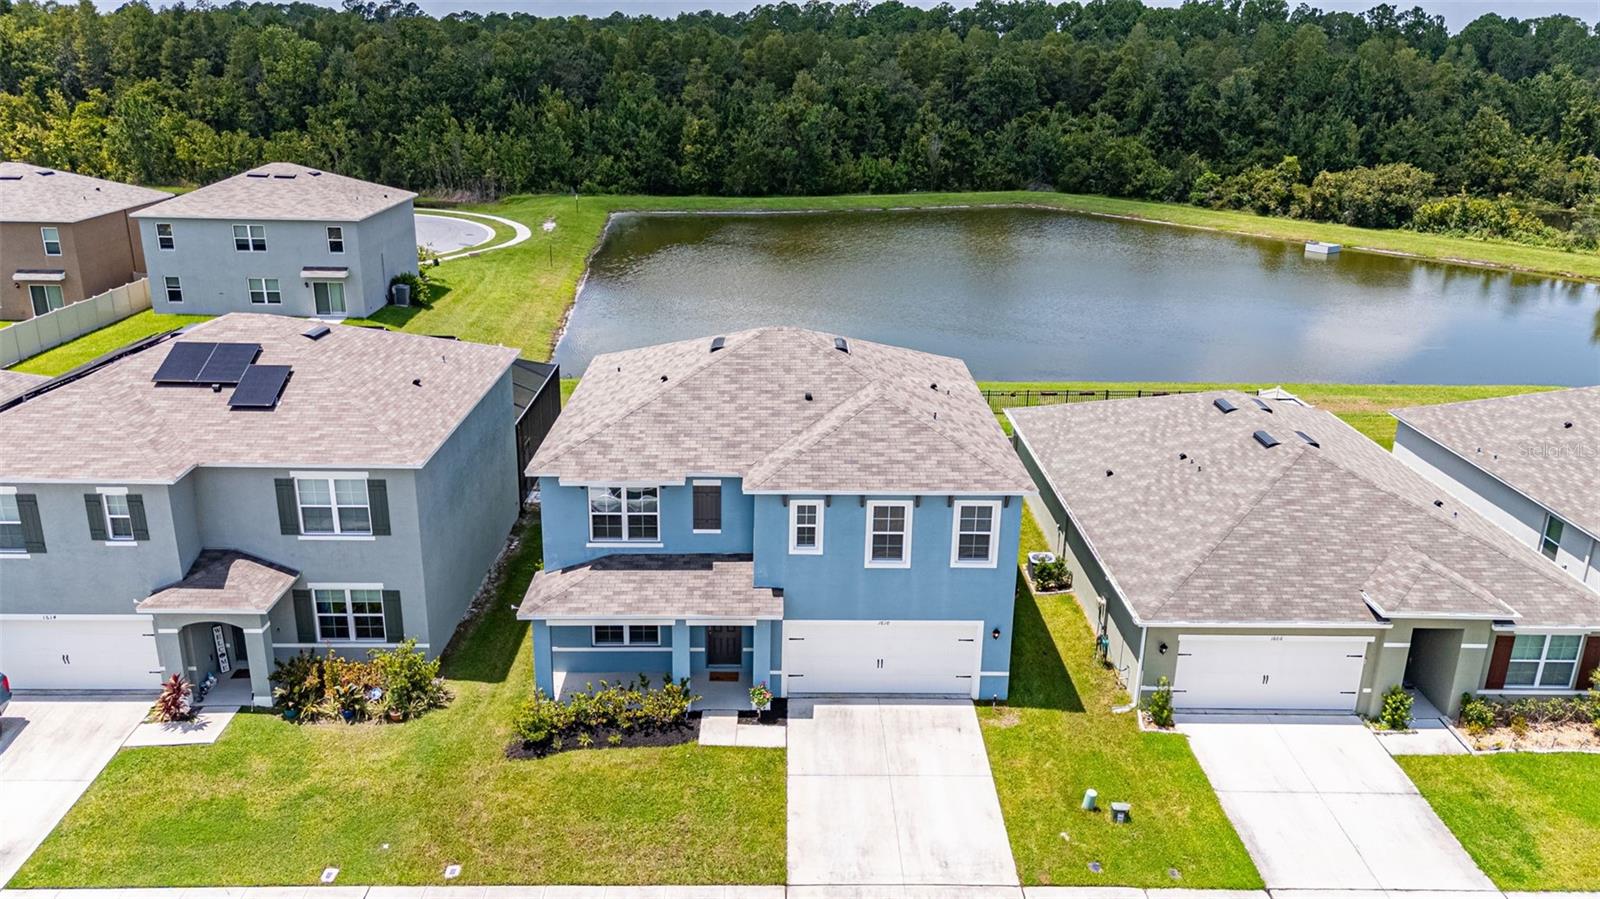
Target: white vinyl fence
{"x": 43, "y": 332}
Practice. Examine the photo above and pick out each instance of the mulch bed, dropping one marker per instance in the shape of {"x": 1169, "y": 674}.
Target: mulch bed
{"x": 776, "y": 714}
{"x": 633, "y": 739}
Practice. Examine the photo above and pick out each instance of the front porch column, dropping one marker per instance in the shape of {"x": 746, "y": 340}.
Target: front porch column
{"x": 761, "y": 661}
{"x": 544, "y": 672}
{"x": 258, "y": 649}
{"x": 680, "y": 650}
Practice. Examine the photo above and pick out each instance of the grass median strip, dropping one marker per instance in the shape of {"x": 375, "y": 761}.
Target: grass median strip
{"x": 272, "y": 803}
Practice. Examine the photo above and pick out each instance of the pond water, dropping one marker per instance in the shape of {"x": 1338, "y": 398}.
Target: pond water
{"x": 1026, "y": 294}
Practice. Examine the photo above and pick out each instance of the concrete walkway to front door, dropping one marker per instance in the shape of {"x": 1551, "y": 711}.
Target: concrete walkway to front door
{"x": 1321, "y": 806}
{"x": 892, "y": 790}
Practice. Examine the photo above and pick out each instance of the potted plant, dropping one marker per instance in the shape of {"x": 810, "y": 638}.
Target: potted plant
{"x": 760, "y": 698}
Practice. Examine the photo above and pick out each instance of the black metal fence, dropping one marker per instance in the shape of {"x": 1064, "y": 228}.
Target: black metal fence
{"x": 1001, "y": 399}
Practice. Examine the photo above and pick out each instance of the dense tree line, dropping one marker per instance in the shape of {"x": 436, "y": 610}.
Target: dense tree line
{"x": 1249, "y": 103}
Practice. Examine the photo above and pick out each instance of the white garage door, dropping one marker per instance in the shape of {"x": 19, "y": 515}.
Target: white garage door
{"x": 79, "y": 652}
{"x": 1268, "y": 672}
{"x": 940, "y": 657}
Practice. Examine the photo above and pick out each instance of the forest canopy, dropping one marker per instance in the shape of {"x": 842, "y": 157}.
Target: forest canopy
{"x": 1244, "y": 103}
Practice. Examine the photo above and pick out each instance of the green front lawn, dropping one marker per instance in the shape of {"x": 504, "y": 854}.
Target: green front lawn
{"x": 273, "y": 803}
{"x": 1530, "y": 820}
{"x": 1057, "y": 736}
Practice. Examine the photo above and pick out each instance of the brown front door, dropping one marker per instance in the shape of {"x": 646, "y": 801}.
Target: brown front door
{"x": 723, "y": 646}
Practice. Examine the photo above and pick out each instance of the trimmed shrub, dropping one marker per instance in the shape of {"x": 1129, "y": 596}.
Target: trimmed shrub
{"x": 398, "y": 684}
{"x": 1396, "y": 712}
{"x": 1159, "y": 705}
{"x": 619, "y": 710}
{"x": 1052, "y": 576}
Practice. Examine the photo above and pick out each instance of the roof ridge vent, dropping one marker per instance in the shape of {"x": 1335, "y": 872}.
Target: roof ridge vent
{"x": 1261, "y": 403}
{"x": 316, "y": 332}
{"x": 1308, "y": 439}
{"x": 718, "y": 343}
{"x": 842, "y": 345}
{"x": 1265, "y": 439}
{"x": 1223, "y": 404}
{"x": 257, "y": 175}
{"x": 283, "y": 177}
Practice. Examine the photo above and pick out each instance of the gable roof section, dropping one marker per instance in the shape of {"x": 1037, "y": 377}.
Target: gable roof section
{"x": 1526, "y": 442}
{"x": 16, "y": 383}
{"x": 282, "y": 191}
{"x": 1199, "y": 523}
{"x": 879, "y": 419}
{"x": 36, "y": 193}
{"x": 358, "y": 398}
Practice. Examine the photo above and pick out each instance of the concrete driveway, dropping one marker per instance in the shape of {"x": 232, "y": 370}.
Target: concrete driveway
{"x": 50, "y": 749}
{"x": 892, "y": 790}
{"x": 1321, "y": 805}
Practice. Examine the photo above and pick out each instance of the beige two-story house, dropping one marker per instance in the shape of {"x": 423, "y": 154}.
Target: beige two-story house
{"x": 64, "y": 237}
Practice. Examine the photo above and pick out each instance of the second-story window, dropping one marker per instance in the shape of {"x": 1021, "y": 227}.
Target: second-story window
{"x": 624, "y": 513}
{"x": 889, "y": 534}
{"x": 164, "y": 239}
{"x": 1550, "y": 541}
{"x": 333, "y": 506}
{"x": 119, "y": 518}
{"x": 52, "y": 241}
{"x": 250, "y": 238}
{"x": 335, "y": 239}
{"x": 805, "y": 527}
{"x": 264, "y": 291}
{"x": 975, "y": 538}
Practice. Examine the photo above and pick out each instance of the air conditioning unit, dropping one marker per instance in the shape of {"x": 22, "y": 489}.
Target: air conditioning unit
{"x": 401, "y": 294}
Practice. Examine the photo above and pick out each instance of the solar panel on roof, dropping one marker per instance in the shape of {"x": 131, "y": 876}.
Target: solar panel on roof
{"x": 183, "y": 362}
{"x": 1265, "y": 439}
{"x": 260, "y": 387}
{"x": 228, "y": 362}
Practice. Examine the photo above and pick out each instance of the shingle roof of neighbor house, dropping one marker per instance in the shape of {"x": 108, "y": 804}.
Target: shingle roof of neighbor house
{"x": 652, "y": 585}
{"x": 224, "y": 580}
{"x": 358, "y": 397}
{"x": 1545, "y": 446}
{"x": 16, "y": 383}
{"x": 1196, "y": 521}
{"x": 282, "y": 191}
{"x": 36, "y": 193}
{"x": 788, "y": 412}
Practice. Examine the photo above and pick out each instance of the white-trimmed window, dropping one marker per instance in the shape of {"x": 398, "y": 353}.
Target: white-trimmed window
{"x": 805, "y": 527}
{"x": 174, "y": 289}
{"x": 119, "y": 518}
{"x": 164, "y": 239}
{"x": 46, "y": 298}
{"x": 264, "y": 291}
{"x": 1544, "y": 661}
{"x": 1550, "y": 540}
{"x": 52, "y": 241}
{"x": 333, "y": 506}
{"x": 889, "y": 534}
{"x": 335, "y": 239}
{"x": 11, "y": 536}
{"x": 349, "y": 614}
{"x": 621, "y": 514}
{"x": 626, "y": 635}
{"x": 250, "y": 238}
{"x": 975, "y": 537}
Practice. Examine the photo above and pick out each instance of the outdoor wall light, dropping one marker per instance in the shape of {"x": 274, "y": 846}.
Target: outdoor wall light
{"x": 1162, "y": 649}
{"x": 995, "y": 634}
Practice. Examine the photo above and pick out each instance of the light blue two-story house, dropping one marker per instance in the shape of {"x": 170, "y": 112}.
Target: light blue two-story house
{"x": 821, "y": 514}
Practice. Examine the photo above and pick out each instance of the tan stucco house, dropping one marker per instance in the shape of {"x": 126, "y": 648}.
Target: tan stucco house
{"x": 64, "y": 237}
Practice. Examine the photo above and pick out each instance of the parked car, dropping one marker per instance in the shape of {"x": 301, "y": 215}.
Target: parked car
{"x": 5, "y": 692}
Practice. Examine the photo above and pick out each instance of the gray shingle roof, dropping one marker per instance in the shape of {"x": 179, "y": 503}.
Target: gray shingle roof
{"x": 28, "y": 195}
{"x": 282, "y": 191}
{"x": 878, "y": 419}
{"x": 1198, "y": 522}
{"x": 1525, "y": 442}
{"x": 350, "y": 402}
{"x": 224, "y": 580}
{"x": 16, "y": 383}
{"x": 652, "y": 585}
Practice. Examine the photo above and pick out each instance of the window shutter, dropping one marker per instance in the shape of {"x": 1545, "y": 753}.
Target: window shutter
{"x": 97, "y": 516}
{"x": 378, "y": 504}
{"x": 1499, "y": 662}
{"x": 708, "y": 507}
{"x": 305, "y": 617}
{"x": 1588, "y": 669}
{"x": 393, "y": 624}
{"x": 288, "y": 508}
{"x": 141, "y": 528}
{"x": 33, "y": 530}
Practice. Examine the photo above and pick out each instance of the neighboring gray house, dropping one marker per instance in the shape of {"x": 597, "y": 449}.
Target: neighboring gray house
{"x": 1529, "y": 463}
{"x": 279, "y": 238}
{"x": 351, "y": 491}
{"x": 1261, "y": 554}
